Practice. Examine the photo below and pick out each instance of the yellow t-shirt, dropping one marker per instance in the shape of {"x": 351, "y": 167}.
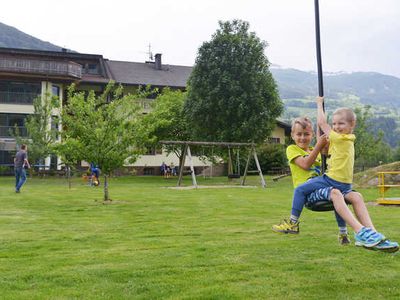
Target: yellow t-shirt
{"x": 341, "y": 157}
{"x": 299, "y": 175}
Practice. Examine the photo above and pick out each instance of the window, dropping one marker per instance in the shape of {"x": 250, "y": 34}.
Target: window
{"x": 6, "y": 157}
{"x": 148, "y": 171}
{"x": 150, "y": 151}
{"x": 19, "y": 92}
{"x": 93, "y": 69}
{"x": 9, "y": 121}
{"x": 55, "y": 90}
{"x": 274, "y": 140}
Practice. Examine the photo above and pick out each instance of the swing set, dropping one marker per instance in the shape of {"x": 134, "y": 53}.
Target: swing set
{"x": 233, "y": 150}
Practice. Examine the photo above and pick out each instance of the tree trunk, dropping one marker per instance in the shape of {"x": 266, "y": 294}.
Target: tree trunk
{"x": 106, "y": 196}
{"x": 68, "y": 170}
{"x": 179, "y": 153}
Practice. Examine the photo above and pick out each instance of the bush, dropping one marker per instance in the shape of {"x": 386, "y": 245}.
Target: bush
{"x": 271, "y": 157}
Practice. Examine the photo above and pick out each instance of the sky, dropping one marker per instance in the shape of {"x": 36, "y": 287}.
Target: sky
{"x": 356, "y": 35}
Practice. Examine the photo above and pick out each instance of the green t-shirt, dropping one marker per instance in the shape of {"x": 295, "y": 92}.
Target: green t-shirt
{"x": 299, "y": 175}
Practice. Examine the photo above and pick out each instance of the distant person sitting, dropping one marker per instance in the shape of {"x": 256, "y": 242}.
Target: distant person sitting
{"x": 20, "y": 163}
{"x": 164, "y": 169}
{"x": 173, "y": 169}
{"x": 95, "y": 174}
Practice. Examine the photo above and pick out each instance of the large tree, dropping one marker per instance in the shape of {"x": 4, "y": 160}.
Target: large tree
{"x": 232, "y": 95}
{"x": 101, "y": 129}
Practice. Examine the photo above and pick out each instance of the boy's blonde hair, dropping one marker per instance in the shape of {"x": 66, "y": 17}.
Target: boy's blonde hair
{"x": 304, "y": 122}
{"x": 347, "y": 112}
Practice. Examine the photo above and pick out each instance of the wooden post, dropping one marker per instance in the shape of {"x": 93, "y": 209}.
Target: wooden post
{"x": 182, "y": 166}
{"x": 258, "y": 167}
{"x": 191, "y": 167}
{"x": 246, "y": 168}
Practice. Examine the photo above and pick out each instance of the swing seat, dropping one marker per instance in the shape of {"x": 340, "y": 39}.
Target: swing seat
{"x": 322, "y": 205}
{"x": 233, "y": 175}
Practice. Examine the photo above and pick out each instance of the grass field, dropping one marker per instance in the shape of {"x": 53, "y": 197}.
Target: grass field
{"x": 153, "y": 242}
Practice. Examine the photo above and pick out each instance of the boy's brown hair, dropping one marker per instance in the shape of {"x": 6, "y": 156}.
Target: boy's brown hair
{"x": 304, "y": 122}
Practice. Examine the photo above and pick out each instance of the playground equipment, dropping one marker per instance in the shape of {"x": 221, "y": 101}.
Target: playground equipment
{"x": 186, "y": 152}
{"x": 383, "y": 187}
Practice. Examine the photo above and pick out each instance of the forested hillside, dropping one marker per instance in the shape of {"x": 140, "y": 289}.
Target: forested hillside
{"x": 11, "y": 37}
{"x": 357, "y": 90}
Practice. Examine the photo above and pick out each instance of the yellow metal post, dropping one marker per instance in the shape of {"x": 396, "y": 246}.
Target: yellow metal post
{"x": 384, "y": 187}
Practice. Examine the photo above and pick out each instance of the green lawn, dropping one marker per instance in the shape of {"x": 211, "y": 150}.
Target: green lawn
{"x": 158, "y": 243}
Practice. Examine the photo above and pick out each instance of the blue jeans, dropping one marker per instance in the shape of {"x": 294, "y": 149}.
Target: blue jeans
{"x": 316, "y": 183}
{"x": 20, "y": 177}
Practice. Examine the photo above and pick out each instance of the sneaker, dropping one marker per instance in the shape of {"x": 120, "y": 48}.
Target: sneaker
{"x": 344, "y": 239}
{"x": 368, "y": 238}
{"x": 287, "y": 227}
{"x": 386, "y": 246}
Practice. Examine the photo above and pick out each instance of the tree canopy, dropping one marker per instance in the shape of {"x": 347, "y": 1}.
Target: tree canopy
{"x": 232, "y": 95}
{"x": 42, "y": 128}
{"x": 101, "y": 129}
{"x": 166, "y": 121}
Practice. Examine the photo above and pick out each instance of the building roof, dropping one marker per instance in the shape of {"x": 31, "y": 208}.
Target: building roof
{"x": 134, "y": 73}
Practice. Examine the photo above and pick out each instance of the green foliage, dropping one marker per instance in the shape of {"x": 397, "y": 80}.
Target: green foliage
{"x": 389, "y": 126}
{"x": 270, "y": 156}
{"x": 166, "y": 121}
{"x": 100, "y": 129}
{"x": 232, "y": 95}
{"x": 41, "y": 128}
{"x": 370, "y": 149}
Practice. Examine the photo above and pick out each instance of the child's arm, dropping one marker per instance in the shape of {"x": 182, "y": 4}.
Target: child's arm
{"x": 305, "y": 162}
{"x": 321, "y": 117}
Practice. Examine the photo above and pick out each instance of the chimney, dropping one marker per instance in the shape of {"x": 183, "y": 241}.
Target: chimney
{"x": 158, "y": 61}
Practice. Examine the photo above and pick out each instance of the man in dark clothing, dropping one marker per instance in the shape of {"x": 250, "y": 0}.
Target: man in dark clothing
{"x": 20, "y": 162}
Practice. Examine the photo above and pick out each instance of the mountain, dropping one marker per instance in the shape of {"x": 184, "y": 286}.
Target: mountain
{"x": 11, "y": 37}
{"x": 372, "y": 88}
{"x": 381, "y": 92}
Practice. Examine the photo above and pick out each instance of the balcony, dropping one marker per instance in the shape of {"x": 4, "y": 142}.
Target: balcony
{"x": 46, "y": 67}
{"x": 17, "y": 97}
{"x": 5, "y": 131}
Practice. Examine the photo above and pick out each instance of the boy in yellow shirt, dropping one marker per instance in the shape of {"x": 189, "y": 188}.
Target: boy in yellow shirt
{"x": 305, "y": 163}
{"x": 339, "y": 179}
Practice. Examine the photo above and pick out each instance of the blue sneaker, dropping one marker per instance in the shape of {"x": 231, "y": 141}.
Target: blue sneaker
{"x": 387, "y": 246}
{"x": 368, "y": 238}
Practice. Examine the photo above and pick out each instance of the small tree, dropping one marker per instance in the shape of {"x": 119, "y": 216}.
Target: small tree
{"x": 70, "y": 152}
{"x": 232, "y": 95}
{"x": 41, "y": 130}
{"x": 101, "y": 129}
{"x": 166, "y": 121}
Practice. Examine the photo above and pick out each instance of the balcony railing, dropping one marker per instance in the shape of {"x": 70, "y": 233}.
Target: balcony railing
{"x": 6, "y": 131}
{"x": 35, "y": 66}
{"x": 17, "y": 97}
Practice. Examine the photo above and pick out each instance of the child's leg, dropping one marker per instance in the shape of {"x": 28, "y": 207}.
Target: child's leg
{"x": 342, "y": 209}
{"x": 301, "y": 193}
{"x": 360, "y": 209}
